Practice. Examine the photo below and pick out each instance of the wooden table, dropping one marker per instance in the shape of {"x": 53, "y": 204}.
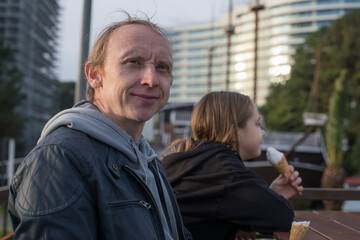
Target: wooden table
{"x": 331, "y": 225}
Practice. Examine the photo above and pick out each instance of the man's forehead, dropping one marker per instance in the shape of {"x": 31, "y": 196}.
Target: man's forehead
{"x": 140, "y": 36}
{"x": 133, "y": 31}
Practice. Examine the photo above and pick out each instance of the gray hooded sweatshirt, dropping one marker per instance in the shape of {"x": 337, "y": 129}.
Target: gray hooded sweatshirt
{"x": 85, "y": 117}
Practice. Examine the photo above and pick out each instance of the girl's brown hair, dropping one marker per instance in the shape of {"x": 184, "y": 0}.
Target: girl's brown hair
{"x": 214, "y": 119}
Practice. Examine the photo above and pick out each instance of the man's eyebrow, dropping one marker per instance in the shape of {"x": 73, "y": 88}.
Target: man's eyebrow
{"x": 127, "y": 57}
{"x": 165, "y": 61}
{"x": 130, "y": 52}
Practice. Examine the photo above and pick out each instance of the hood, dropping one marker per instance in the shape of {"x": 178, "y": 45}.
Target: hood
{"x": 85, "y": 117}
{"x": 180, "y": 164}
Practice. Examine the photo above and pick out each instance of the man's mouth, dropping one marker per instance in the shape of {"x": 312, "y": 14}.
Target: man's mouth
{"x": 146, "y": 98}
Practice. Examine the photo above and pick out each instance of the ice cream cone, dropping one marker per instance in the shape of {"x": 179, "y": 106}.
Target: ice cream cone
{"x": 298, "y": 230}
{"x": 283, "y": 167}
{"x": 278, "y": 160}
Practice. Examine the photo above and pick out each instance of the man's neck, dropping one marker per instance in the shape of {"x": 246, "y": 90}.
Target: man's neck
{"x": 131, "y": 127}
{"x": 134, "y": 129}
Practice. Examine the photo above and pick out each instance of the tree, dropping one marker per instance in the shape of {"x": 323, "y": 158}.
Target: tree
{"x": 352, "y": 166}
{"x": 296, "y": 92}
{"x": 67, "y": 91}
{"x": 335, "y": 124}
{"x": 338, "y": 48}
{"x": 10, "y": 94}
{"x": 334, "y": 174}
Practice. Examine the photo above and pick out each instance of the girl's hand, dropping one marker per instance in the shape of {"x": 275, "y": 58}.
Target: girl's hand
{"x": 282, "y": 184}
{"x": 242, "y": 235}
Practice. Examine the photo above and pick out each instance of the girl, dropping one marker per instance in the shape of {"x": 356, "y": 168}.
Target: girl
{"x": 217, "y": 194}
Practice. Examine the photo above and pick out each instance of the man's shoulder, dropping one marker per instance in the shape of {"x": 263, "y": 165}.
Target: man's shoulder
{"x": 71, "y": 141}
{"x": 64, "y": 134}
{"x": 69, "y": 138}
{"x": 64, "y": 167}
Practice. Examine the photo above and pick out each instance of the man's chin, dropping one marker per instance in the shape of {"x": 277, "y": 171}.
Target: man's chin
{"x": 144, "y": 117}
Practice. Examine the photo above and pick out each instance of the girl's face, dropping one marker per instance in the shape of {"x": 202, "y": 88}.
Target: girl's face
{"x": 250, "y": 136}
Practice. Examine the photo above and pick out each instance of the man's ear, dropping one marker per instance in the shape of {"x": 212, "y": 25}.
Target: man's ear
{"x": 93, "y": 74}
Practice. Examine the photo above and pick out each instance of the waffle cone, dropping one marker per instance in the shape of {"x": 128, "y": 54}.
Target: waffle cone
{"x": 298, "y": 231}
{"x": 283, "y": 167}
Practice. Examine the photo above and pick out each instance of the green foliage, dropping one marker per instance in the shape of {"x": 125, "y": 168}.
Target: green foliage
{"x": 339, "y": 45}
{"x": 351, "y": 160}
{"x": 283, "y": 110}
{"x": 67, "y": 91}
{"x": 335, "y": 124}
{"x": 10, "y": 94}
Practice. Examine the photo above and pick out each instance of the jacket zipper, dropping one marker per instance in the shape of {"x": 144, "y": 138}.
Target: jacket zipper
{"x": 141, "y": 181}
{"x": 141, "y": 202}
{"x": 173, "y": 202}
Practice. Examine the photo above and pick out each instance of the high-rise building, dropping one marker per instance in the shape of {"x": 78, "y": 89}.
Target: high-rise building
{"x": 30, "y": 28}
{"x": 221, "y": 55}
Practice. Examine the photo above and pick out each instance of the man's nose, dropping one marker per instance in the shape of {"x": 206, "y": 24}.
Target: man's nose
{"x": 150, "y": 77}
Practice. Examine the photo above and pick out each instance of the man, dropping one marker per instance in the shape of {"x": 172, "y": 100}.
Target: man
{"x": 92, "y": 174}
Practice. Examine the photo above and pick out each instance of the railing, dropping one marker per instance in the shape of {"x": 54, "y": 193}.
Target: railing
{"x": 328, "y": 194}
{"x": 5, "y": 175}
{"x": 4, "y": 196}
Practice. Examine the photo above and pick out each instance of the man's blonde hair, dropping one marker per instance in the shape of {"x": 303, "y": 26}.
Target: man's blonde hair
{"x": 98, "y": 53}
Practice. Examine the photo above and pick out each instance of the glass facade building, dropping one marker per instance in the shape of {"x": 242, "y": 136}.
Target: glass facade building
{"x": 30, "y": 28}
{"x": 201, "y": 52}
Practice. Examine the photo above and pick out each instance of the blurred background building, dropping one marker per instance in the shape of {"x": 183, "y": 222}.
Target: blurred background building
{"x": 222, "y": 54}
{"x": 30, "y": 28}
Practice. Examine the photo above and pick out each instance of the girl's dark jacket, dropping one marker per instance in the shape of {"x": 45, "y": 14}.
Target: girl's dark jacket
{"x": 218, "y": 195}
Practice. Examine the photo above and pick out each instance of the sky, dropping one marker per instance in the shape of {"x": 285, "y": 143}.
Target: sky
{"x": 166, "y": 13}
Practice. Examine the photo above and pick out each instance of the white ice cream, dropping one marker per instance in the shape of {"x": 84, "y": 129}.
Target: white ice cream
{"x": 304, "y": 223}
{"x": 273, "y": 155}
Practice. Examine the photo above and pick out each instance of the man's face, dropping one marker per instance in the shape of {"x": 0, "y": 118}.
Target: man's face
{"x": 136, "y": 76}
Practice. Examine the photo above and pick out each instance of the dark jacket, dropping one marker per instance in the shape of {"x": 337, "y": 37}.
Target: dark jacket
{"x": 74, "y": 187}
{"x": 217, "y": 194}
{"x": 87, "y": 179}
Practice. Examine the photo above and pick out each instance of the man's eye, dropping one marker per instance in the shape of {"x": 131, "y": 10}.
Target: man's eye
{"x": 134, "y": 61}
{"x": 163, "y": 67}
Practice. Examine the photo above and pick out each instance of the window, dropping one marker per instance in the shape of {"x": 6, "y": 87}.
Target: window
{"x": 328, "y": 12}
{"x": 301, "y": 14}
{"x": 325, "y": 2}
{"x": 301, "y": 25}
{"x": 300, "y": 35}
{"x": 196, "y": 40}
{"x": 349, "y": 10}
{"x": 323, "y": 23}
{"x": 302, "y": 4}
{"x": 197, "y": 32}
{"x": 196, "y": 50}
